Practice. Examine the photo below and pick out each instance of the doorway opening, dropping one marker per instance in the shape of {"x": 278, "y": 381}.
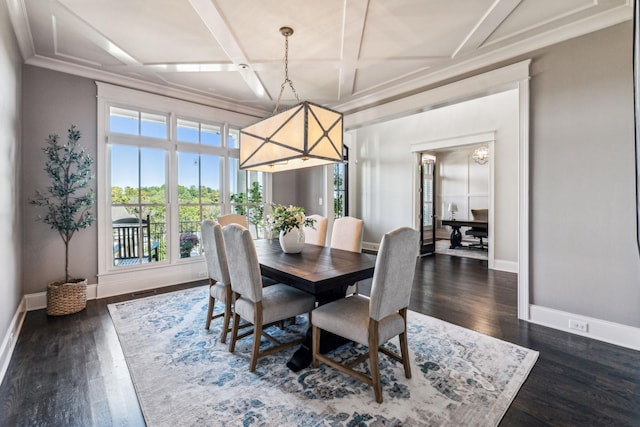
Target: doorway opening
{"x": 452, "y": 185}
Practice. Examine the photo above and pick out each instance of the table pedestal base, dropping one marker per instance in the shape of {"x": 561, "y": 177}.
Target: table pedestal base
{"x": 303, "y": 356}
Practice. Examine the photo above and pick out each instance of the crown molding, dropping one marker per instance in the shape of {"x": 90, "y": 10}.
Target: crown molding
{"x": 104, "y": 76}
{"x": 20, "y": 24}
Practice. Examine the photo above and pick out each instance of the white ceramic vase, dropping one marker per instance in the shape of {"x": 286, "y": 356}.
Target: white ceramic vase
{"x": 292, "y": 242}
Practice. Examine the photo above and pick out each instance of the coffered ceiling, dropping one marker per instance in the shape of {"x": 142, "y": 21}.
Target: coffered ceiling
{"x": 346, "y": 54}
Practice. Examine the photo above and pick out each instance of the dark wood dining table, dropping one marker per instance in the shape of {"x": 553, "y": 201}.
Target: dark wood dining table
{"x": 319, "y": 270}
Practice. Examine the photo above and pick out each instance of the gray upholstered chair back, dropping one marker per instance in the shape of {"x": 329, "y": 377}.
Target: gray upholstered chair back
{"x": 394, "y": 271}
{"x": 214, "y": 251}
{"x": 244, "y": 268}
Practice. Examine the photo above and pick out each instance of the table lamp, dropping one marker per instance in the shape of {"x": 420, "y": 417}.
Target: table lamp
{"x": 452, "y": 209}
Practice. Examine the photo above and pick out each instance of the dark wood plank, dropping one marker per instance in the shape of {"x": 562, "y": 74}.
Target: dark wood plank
{"x": 317, "y": 269}
{"x": 70, "y": 370}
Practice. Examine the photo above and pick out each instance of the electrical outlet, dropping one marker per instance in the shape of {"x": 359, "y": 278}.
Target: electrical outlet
{"x": 578, "y": 325}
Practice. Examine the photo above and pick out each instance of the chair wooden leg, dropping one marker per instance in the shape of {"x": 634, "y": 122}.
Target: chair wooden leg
{"x": 225, "y": 325}
{"x": 257, "y": 336}
{"x": 315, "y": 345}
{"x": 255, "y": 350}
{"x": 404, "y": 347}
{"x": 373, "y": 359}
{"x": 234, "y": 332}
{"x": 212, "y": 302}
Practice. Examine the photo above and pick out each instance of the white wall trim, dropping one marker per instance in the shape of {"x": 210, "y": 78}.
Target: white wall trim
{"x": 150, "y": 278}
{"x": 11, "y": 337}
{"x": 612, "y": 333}
{"x": 503, "y": 265}
{"x": 371, "y": 246}
{"x": 455, "y": 141}
{"x": 502, "y": 79}
{"x": 523, "y": 199}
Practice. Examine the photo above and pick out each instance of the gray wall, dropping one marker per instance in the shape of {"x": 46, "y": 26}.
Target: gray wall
{"x": 10, "y": 193}
{"x": 53, "y": 101}
{"x": 302, "y": 187}
{"x": 584, "y": 256}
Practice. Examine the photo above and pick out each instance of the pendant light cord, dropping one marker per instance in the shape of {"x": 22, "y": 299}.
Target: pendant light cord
{"x": 286, "y": 72}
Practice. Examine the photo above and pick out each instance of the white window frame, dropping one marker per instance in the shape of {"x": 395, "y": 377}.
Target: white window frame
{"x": 117, "y": 280}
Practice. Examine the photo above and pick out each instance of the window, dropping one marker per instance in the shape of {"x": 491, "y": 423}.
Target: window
{"x": 166, "y": 166}
{"x": 341, "y": 185}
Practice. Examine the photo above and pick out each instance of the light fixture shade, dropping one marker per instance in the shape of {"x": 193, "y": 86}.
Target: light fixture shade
{"x": 481, "y": 155}
{"x": 303, "y": 136}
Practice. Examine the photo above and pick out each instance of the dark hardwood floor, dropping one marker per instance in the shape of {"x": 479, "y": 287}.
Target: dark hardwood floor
{"x": 70, "y": 371}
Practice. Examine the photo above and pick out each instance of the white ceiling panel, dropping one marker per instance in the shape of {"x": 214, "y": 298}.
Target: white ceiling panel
{"x": 152, "y": 31}
{"x": 349, "y": 53}
{"x": 394, "y": 29}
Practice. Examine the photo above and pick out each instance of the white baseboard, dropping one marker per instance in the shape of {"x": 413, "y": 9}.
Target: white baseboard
{"x": 502, "y": 265}
{"x": 371, "y": 246}
{"x": 602, "y": 330}
{"x": 11, "y": 337}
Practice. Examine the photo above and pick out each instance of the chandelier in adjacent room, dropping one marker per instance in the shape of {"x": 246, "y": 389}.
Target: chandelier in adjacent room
{"x": 481, "y": 155}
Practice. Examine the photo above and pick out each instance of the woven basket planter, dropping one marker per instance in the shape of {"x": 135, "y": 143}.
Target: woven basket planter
{"x": 66, "y": 298}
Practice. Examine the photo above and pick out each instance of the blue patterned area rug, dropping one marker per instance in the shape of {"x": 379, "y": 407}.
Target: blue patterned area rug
{"x": 184, "y": 376}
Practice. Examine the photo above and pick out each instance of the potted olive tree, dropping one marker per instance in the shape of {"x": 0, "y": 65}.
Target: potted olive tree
{"x": 67, "y": 202}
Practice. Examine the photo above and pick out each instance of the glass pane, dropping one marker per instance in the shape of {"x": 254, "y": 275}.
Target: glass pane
{"x": 211, "y": 211}
{"x": 123, "y": 121}
{"x": 255, "y": 216}
{"x": 158, "y": 231}
{"x": 152, "y": 175}
{"x": 210, "y": 179}
{"x": 188, "y": 177}
{"x": 189, "y": 231}
{"x": 153, "y": 125}
{"x": 124, "y": 174}
{"x": 210, "y": 135}
{"x": 137, "y": 238}
{"x": 187, "y": 131}
{"x": 233, "y": 141}
{"x": 339, "y": 190}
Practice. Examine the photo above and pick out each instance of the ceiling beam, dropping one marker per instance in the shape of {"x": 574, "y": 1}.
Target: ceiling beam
{"x": 218, "y": 27}
{"x": 492, "y": 19}
{"x": 354, "y": 16}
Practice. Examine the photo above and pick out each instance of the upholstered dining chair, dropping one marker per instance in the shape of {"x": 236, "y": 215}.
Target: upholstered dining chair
{"x": 347, "y": 235}
{"x": 219, "y": 281}
{"x": 375, "y": 320}
{"x": 255, "y": 304}
{"x": 316, "y": 235}
{"x": 233, "y": 219}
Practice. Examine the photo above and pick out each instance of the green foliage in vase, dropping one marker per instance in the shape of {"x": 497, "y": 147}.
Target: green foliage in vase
{"x": 286, "y": 218}
{"x": 68, "y": 199}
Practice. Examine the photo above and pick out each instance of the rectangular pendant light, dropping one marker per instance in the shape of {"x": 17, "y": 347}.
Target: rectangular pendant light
{"x": 303, "y": 136}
